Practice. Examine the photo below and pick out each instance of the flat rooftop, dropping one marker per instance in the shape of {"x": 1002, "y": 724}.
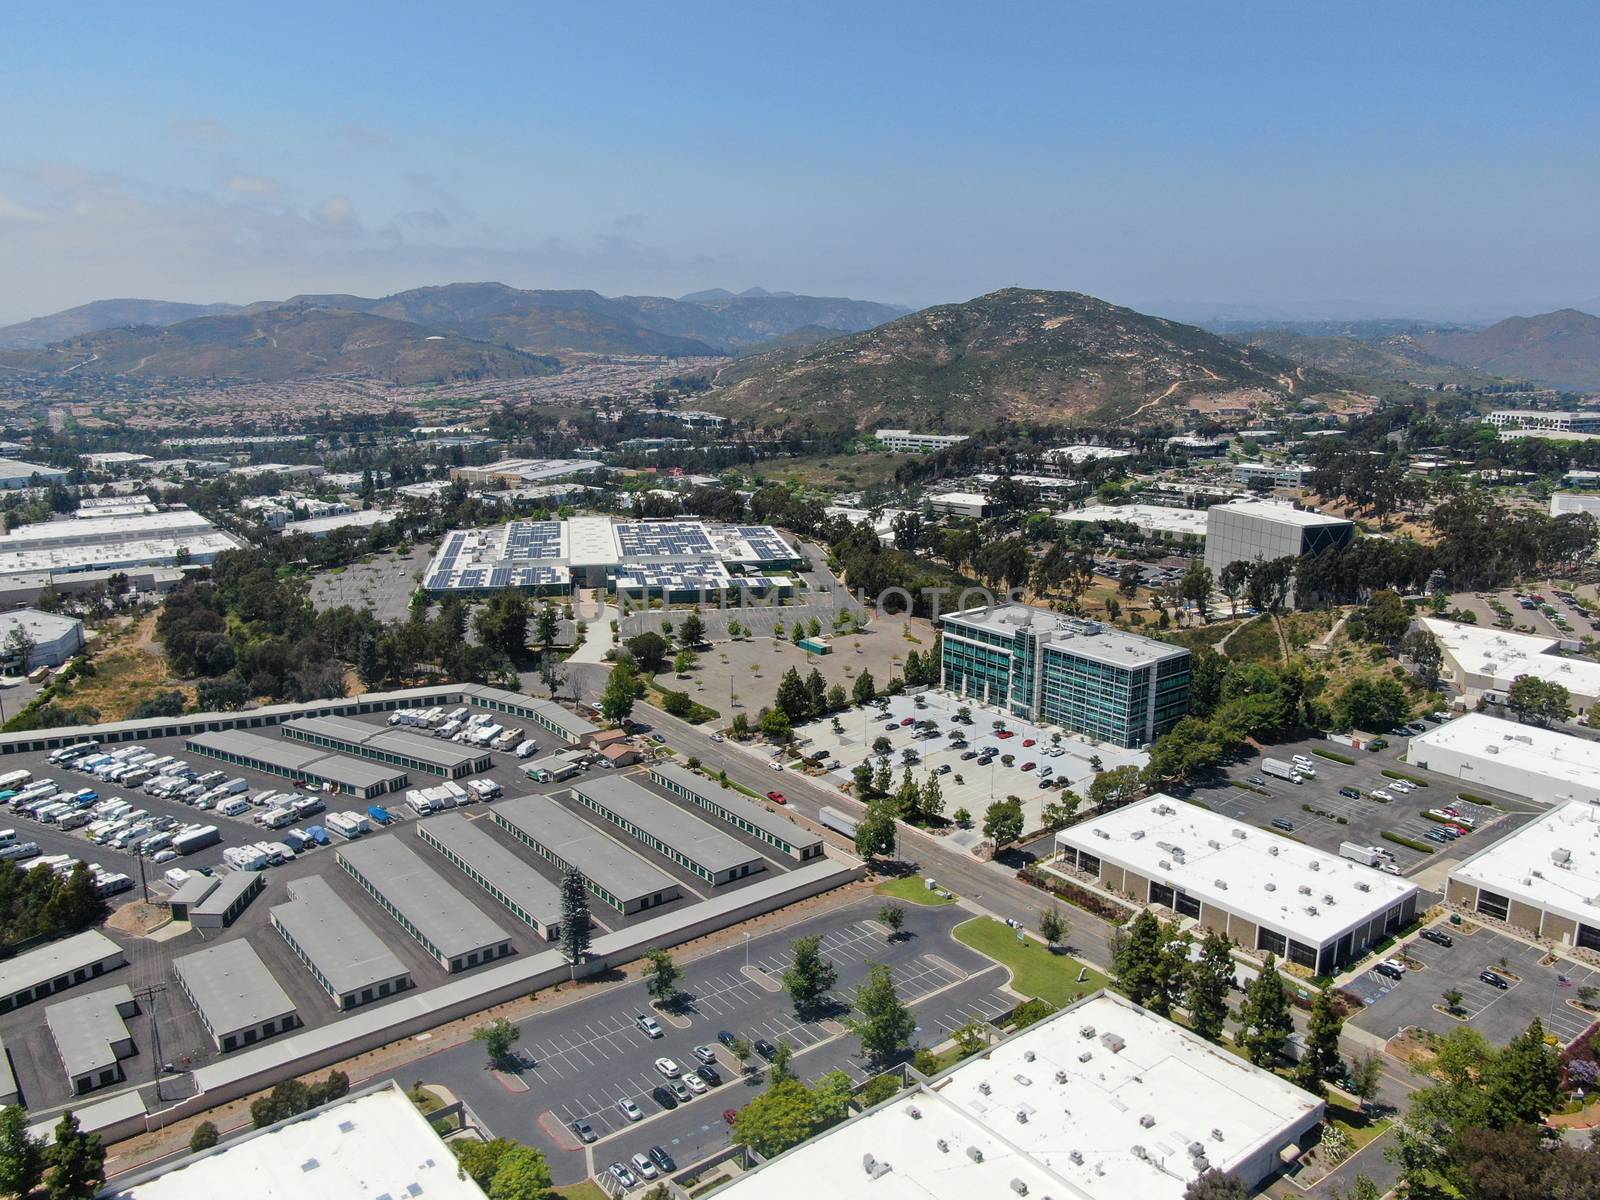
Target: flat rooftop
{"x": 1501, "y": 655}
{"x": 87, "y": 1029}
{"x": 47, "y": 962}
{"x": 603, "y": 860}
{"x": 1283, "y": 514}
{"x": 1543, "y": 754}
{"x": 1096, "y": 1124}
{"x": 466, "y": 839}
{"x": 763, "y": 818}
{"x": 232, "y": 987}
{"x": 443, "y": 915}
{"x": 364, "y": 1147}
{"x": 1154, "y": 518}
{"x": 288, "y": 755}
{"x": 1091, "y": 639}
{"x": 230, "y": 886}
{"x": 1241, "y": 868}
{"x": 438, "y": 753}
{"x": 344, "y": 948}
{"x": 665, "y": 821}
{"x": 1553, "y": 862}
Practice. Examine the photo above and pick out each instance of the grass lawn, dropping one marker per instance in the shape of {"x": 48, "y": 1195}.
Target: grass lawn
{"x": 912, "y": 890}
{"x": 1358, "y": 1126}
{"x": 1034, "y": 970}
{"x": 587, "y": 1190}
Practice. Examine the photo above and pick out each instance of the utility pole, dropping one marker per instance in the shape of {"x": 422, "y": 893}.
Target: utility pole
{"x": 147, "y": 996}
{"x": 144, "y": 884}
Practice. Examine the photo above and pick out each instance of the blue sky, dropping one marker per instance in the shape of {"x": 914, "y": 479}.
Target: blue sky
{"x": 1420, "y": 156}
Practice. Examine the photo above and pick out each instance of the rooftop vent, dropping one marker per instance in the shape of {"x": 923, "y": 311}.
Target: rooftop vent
{"x": 1086, "y": 1031}
{"x": 1061, "y": 1076}
{"x": 347, "y": 1126}
{"x": 1028, "y": 1056}
{"x": 1085, "y": 1056}
{"x": 1271, "y": 887}
{"x": 1019, "y": 1187}
{"x": 1113, "y": 1042}
{"x": 310, "y": 1164}
{"x": 1222, "y": 885}
{"x": 1272, "y": 850}
{"x": 984, "y": 1087}
{"x": 944, "y": 1146}
{"x": 914, "y": 1112}
{"x": 1315, "y": 865}
{"x": 974, "y": 1154}
{"x": 1148, "y": 1120}
{"x": 1240, "y": 834}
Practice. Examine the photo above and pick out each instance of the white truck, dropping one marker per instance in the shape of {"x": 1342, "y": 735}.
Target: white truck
{"x": 1282, "y": 770}
{"x": 347, "y": 824}
{"x": 1367, "y": 856}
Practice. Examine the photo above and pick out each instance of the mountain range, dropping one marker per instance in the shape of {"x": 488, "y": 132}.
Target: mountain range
{"x": 102, "y": 314}
{"x": 1017, "y": 354}
{"x": 1558, "y": 349}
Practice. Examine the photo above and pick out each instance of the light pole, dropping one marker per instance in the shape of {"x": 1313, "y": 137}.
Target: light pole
{"x": 747, "y": 952}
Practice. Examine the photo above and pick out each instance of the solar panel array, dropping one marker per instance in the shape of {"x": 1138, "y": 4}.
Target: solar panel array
{"x": 663, "y": 539}
{"x": 766, "y": 544}
{"x": 536, "y": 541}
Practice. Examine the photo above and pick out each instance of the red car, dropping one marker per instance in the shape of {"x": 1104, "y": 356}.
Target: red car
{"x": 908, "y": 721}
{"x": 1006, "y": 733}
{"x": 1451, "y": 812}
{"x": 1028, "y": 766}
{"x": 730, "y": 1115}
{"x": 777, "y": 797}
{"x": 1458, "y": 827}
{"x": 1027, "y": 741}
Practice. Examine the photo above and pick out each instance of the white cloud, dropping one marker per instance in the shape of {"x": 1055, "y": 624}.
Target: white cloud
{"x": 253, "y": 185}
{"x": 336, "y": 210}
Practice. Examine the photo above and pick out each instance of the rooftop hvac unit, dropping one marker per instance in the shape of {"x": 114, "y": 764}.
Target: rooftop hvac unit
{"x": 1019, "y": 1187}
{"x": 1113, "y": 1042}
{"x": 1327, "y": 899}
{"x": 1022, "y": 1116}
{"x": 1315, "y": 865}
{"x": 1197, "y": 1148}
{"x": 1536, "y": 873}
{"x": 1137, "y": 835}
{"x": 1216, "y": 1135}
{"x": 1166, "y": 810}
{"x": 1101, "y": 833}
{"x": 1272, "y": 850}
{"x": 974, "y": 1154}
{"x": 984, "y": 1087}
{"x": 1164, "y": 865}
{"x": 1363, "y": 886}
{"x": 1148, "y": 1120}
{"x": 1222, "y": 885}
{"x": 1028, "y": 1056}
{"x": 1077, "y": 1157}
{"x": 1271, "y": 887}
{"x": 1086, "y": 1031}
{"x": 944, "y": 1146}
{"x": 1527, "y": 881}
{"x": 1240, "y": 834}
{"x": 1311, "y": 910}
{"x": 1200, "y": 1164}
{"x": 914, "y": 1112}
{"x": 1214, "y": 844}
{"x": 1305, "y": 889}
{"x": 1085, "y": 1056}
{"x": 1061, "y": 1076}
{"x": 1561, "y": 856}
{"x": 1023, "y": 1080}
{"x": 1141, "y": 1153}
{"x": 1168, "y": 847}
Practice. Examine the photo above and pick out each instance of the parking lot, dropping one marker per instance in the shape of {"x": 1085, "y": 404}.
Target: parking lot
{"x": 1046, "y": 753}
{"x": 1530, "y": 613}
{"x": 1362, "y": 820}
{"x": 590, "y": 1055}
{"x": 1535, "y": 990}
{"x": 184, "y": 1042}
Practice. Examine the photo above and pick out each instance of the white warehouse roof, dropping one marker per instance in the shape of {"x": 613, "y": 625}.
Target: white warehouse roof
{"x": 1552, "y": 863}
{"x": 1543, "y": 763}
{"x": 1058, "y": 1111}
{"x": 1301, "y": 891}
{"x": 1499, "y": 656}
{"x": 1149, "y": 518}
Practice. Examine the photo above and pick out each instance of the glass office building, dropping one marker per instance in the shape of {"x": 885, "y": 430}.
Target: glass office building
{"x": 1057, "y": 670}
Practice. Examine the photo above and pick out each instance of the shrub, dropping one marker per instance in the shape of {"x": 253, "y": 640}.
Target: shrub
{"x": 1392, "y": 774}
{"x": 1075, "y": 894}
{"x": 1390, "y": 835}
{"x": 1338, "y": 758}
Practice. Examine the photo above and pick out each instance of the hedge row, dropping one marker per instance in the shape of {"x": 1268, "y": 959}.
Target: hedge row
{"x": 1075, "y": 894}
{"x": 1388, "y": 774}
{"x": 1409, "y": 843}
{"x": 1338, "y": 758}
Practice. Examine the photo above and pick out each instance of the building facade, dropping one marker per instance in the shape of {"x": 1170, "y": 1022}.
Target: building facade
{"x": 1261, "y": 530}
{"x": 1058, "y": 670}
{"x": 917, "y": 443}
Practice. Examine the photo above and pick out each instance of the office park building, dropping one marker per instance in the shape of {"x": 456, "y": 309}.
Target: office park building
{"x": 1053, "y": 669}
{"x": 1261, "y": 530}
{"x": 1265, "y": 892}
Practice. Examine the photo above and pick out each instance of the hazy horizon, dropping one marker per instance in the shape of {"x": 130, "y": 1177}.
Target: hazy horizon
{"x": 1330, "y": 163}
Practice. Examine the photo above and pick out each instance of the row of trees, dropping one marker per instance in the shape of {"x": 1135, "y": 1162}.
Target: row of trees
{"x": 71, "y": 1167}
{"x": 41, "y": 904}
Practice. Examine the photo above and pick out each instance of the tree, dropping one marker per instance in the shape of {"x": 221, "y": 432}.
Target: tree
{"x": 1059, "y": 809}
{"x": 649, "y": 650}
{"x": 1320, "y": 1061}
{"x": 1030, "y": 1012}
{"x": 22, "y": 1157}
{"x": 779, "y": 1068}
{"x": 480, "y": 1160}
{"x": 522, "y": 1174}
{"x": 894, "y": 916}
{"x": 692, "y": 632}
{"x": 1216, "y": 1185}
{"x": 930, "y": 800}
{"x": 622, "y": 689}
{"x": 810, "y": 976}
{"x": 1364, "y": 1075}
{"x": 1210, "y": 981}
{"x": 204, "y": 1137}
{"x": 1386, "y": 618}
{"x": 1531, "y": 698}
{"x": 497, "y": 1038}
{"x": 1231, "y": 579}
{"x": 77, "y": 1162}
{"x": 970, "y": 1038}
{"x": 875, "y": 831}
{"x": 775, "y": 725}
{"x": 1053, "y": 927}
{"x": 1371, "y": 704}
{"x": 1135, "y": 958}
{"x": 962, "y": 817}
{"x": 742, "y": 1050}
{"x": 1422, "y": 648}
{"x": 886, "y": 1025}
{"x": 547, "y": 624}
{"x": 1114, "y": 788}
{"x": 1196, "y": 586}
{"x": 574, "y": 916}
{"x": 1003, "y": 822}
{"x": 684, "y": 662}
{"x": 830, "y": 1096}
{"x": 781, "y": 1117}
{"x": 661, "y": 976}
{"x": 864, "y": 690}
{"x": 1265, "y": 1015}
{"x": 1452, "y": 998}
{"x": 1523, "y": 1081}
{"x": 792, "y": 698}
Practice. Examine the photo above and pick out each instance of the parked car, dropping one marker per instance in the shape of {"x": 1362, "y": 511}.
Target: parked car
{"x": 695, "y": 1083}
{"x": 647, "y": 1024}
{"x": 629, "y": 1109}
{"x": 662, "y": 1160}
{"x": 1350, "y": 793}
{"x": 643, "y": 1166}
{"x": 777, "y": 797}
{"x": 663, "y": 1097}
{"x": 727, "y": 1038}
{"x": 1387, "y": 971}
{"x": 584, "y": 1130}
{"x": 1494, "y": 979}
{"x": 706, "y": 1054}
{"x": 711, "y": 1075}
{"x": 668, "y": 1067}
{"x": 1280, "y": 823}
{"x": 765, "y": 1049}
{"x": 681, "y": 1092}
{"x": 622, "y": 1175}
{"x": 1257, "y": 780}
{"x": 1437, "y": 936}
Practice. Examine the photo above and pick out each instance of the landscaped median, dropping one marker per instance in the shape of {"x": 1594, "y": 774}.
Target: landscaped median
{"x": 1035, "y": 971}
{"x": 1398, "y": 839}
{"x": 1338, "y": 758}
{"x": 912, "y": 890}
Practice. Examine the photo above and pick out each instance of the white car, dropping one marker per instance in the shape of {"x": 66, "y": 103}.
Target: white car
{"x": 1401, "y": 785}
{"x": 642, "y": 1164}
{"x": 667, "y": 1067}
{"x": 1395, "y": 964}
{"x": 630, "y": 1110}
{"x": 717, "y": 737}
{"x": 696, "y": 1084}
{"x": 1380, "y": 794}
{"x": 648, "y": 1025}
{"x": 776, "y": 766}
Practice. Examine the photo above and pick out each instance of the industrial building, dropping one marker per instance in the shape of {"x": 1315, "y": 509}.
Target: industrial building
{"x": 162, "y": 539}
{"x": 668, "y": 830}
{"x": 222, "y": 905}
{"x": 1082, "y": 453}
{"x": 1482, "y": 663}
{"x": 1562, "y": 503}
{"x": 1547, "y": 421}
{"x": 1261, "y": 530}
{"x": 318, "y": 527}
{"x": 1153, "y": 520}
{"x": 16, "y": 474}
{"x": 52, "y": 638}
{"x": 347, "y": 959}
{"x": 193, "y": 890}
{"x": 521, "y": 472}
{"x": 1543, "y": 879}
{"x": 1060, "y": 670}
{"x": 236, "y": 997}
{"x": 725, "y": 804}
{"x": 393, "y": 748}
{"x": 365, "y": 1146}
{"x": 1101, "y": 1101}
{"x": 1284, "y": 475}
{"x": 1265, "y": 892}
{"x": 529, "y": 896}
{"x": 91, "y": 1036}
{"x": 276, "y": 756}
{"x": 907, "y": 442}
{"x": 56, "y": 966}
{"x": 677, "y": 559}
{"x": 612, "y": 873}
{"x": 1525, "y": 760}
{"x": 440, "y": 919}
